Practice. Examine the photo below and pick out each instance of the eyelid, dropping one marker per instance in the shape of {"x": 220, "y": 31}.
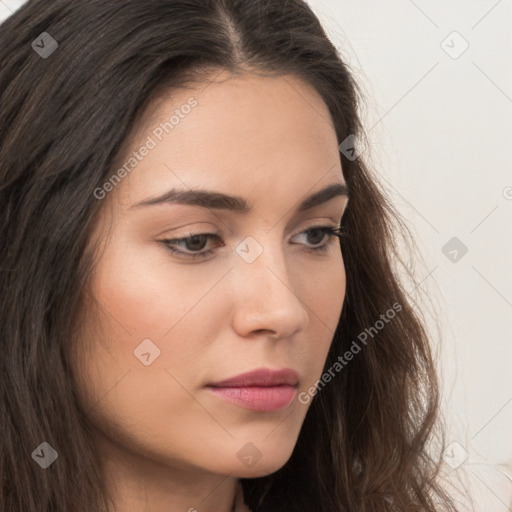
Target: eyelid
{"x": 317, "y": 223}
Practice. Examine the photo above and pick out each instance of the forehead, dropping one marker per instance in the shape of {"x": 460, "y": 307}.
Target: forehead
{"x": 254, "y": 135}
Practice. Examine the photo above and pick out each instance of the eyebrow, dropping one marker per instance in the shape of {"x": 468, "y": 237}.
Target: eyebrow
{"x": 219, "y": 201}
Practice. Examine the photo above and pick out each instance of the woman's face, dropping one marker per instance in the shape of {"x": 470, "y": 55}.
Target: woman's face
{"x": 165, "y": 326}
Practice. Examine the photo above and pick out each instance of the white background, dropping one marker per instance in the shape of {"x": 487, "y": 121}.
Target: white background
{"x": 440, "y": 129}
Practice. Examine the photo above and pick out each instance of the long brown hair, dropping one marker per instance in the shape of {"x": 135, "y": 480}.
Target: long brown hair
{"x": 63, "y": 119}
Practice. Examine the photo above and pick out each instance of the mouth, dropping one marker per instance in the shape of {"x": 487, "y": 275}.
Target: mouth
{"x": 259, "y": 390}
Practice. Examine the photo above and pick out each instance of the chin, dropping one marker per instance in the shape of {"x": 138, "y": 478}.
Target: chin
{"x": 260, "y": 469}
{"x": 262, "y": 458}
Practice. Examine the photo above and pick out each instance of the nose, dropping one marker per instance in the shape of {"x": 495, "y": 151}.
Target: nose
{"x": 265, "y": 298}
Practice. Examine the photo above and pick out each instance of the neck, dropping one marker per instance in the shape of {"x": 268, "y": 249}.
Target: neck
{"x": 148, "y": 485}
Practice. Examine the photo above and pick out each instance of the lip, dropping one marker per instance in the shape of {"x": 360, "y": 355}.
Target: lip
{"x": 261, "y": 377}
{"x": 258, "y": 390}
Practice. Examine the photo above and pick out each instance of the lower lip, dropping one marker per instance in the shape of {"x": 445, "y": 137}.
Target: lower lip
{"x": 270, "y": 398}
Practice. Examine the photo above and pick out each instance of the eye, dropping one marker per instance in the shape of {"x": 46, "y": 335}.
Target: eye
{"x": 195, "y": 242}
{"x": 321, "y": 232}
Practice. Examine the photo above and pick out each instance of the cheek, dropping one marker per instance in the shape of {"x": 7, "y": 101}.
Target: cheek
{"x": 145, "y": 306}
{"x": 135, "y": 292}
{"x": 148, "y": 310}
{"x": 325, "y": 289}
{"x": 145, "y": 291}
{"x": 326, "y": 294}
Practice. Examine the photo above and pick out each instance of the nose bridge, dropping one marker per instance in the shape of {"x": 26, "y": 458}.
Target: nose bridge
{"x": 262, "y": 260}
{"x": 265, "y": 288}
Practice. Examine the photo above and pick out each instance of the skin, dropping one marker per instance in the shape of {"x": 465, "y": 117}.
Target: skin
{"x": 169, "y": 444}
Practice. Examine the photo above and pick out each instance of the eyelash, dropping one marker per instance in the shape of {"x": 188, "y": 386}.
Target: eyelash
{"x": 337, "y": 232}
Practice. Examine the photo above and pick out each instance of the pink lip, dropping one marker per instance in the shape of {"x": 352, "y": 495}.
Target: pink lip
{"x": 259, "y": 390}
{"x": 261, "y": 377}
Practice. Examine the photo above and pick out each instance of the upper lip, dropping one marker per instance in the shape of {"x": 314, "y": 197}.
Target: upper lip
{"x": 263, "y": 377}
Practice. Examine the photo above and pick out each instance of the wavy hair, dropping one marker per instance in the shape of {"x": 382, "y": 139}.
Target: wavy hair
{"x": 364, "y": 443}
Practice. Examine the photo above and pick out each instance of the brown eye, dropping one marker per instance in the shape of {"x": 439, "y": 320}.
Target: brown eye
{"x": 320, "y": 235}
{"x": 192, "y": 245}
{"x": 196, "y": 242}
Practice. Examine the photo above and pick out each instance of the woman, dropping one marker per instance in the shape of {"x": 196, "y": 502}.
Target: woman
{"x": 199, "y": 307}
